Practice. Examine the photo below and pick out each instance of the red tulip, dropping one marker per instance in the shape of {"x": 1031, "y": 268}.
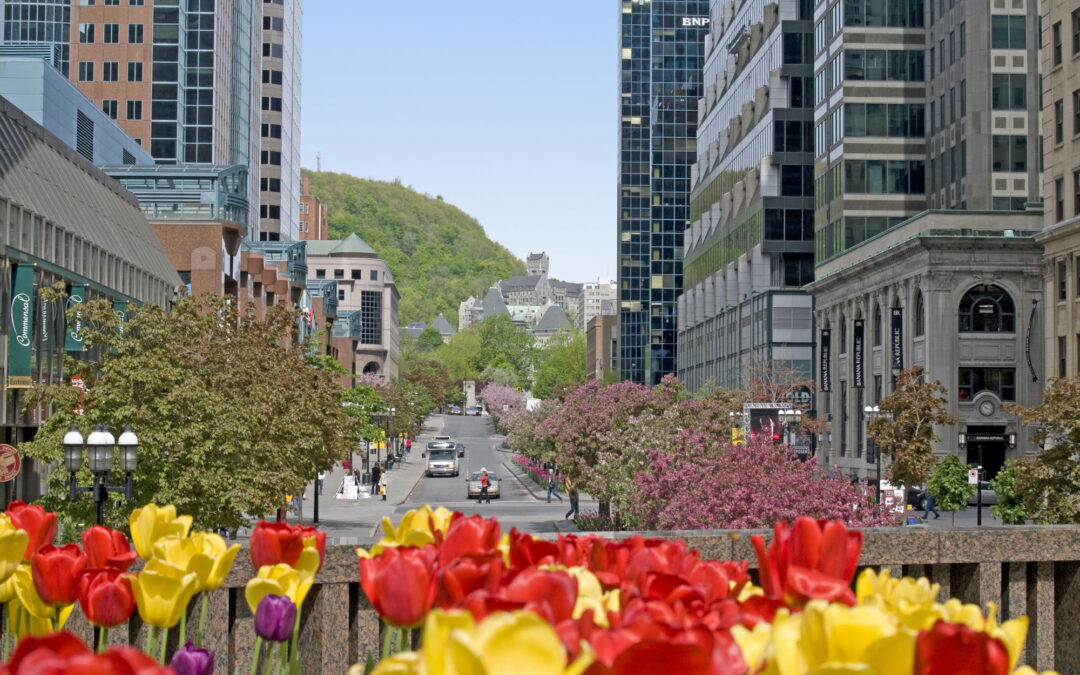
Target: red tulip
{"x": 107, "y": 548}
{"x": 955, "y": 649}
{"x": 106, "y": 597}
{"x": 400, "y": 583}
{"x": 809, "y": 560}
{"x": 273, "y": 543}
{"x": 465, "y": 575}
{"x": 56, "y": 572}
{"x": 39, "y": 526}
{"x": 526, "y": 551}
{"x": 550, "y": 593}
{"x": 472, "y": 536}
{"x": 65, "y": 653}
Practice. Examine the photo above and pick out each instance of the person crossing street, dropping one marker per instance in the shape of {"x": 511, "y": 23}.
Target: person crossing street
{"x": 484, "y": 483}
{"x": 572, "y": 493}
{"x": 553, "y": 485}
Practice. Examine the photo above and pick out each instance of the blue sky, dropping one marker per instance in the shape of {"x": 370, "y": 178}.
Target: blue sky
{"x": 507, "y": 109}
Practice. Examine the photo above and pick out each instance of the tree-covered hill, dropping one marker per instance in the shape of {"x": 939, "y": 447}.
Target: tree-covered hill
{"x": 438, "y": 255}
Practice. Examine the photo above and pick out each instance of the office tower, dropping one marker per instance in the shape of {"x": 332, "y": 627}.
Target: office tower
{"x": 749, "y": 250}
{"x": 661, "y": 45}
{"x": 1061, "y": 185}
{"x": 280, "y": 187}
{"x": 38, "y": 22}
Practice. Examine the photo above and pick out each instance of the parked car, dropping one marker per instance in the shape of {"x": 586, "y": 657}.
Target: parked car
{"x": 455, "y": 410}
{"x": 460, "y": 449}
{"x": 441, "y": 459}
{"x": 473, "y": 410}
{"x": 988, "y": 495}
{"x": 472, "y": 483}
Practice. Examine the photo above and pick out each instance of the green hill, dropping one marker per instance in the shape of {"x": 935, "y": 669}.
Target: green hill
{"x": 438, "y": 255}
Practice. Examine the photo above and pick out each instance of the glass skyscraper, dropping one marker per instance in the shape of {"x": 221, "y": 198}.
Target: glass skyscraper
{"x": 661, "y": 57}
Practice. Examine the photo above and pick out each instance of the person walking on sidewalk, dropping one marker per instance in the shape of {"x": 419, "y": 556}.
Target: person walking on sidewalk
{"x": 553, "y": 485}
{"x": 931, "y": 505}
{"x": 376, "y": 471}
{"x": 382, "y": 486}
{"x": 572, "y": 493}
{"x": 484, "y": 482}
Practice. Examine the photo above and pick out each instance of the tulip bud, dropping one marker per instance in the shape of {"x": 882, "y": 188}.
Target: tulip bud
{"x": 189, "y": 660}
{"x": 275, "y": 618}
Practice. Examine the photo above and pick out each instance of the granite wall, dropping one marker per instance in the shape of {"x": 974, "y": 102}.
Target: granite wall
{"x": 1031, "y": 570}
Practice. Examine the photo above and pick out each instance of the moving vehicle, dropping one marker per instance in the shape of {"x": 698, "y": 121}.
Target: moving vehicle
{"x": 473, "y": 410}
{"x": 460, "y": 449}
{"x": 455, "y": 410}
{"x": 472, "y": 484}
{"x": 989, "y": 496}
{"x": 441, "y": 459}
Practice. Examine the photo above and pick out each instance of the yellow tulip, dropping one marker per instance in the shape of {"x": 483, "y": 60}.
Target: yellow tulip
{"x": 416, "y": 528}
{"x": 151, "y": 523}
{"x": 28, "y": 597}
{"x": 752, "y": 643}
{"x": 7, "y": 589}
{"x": 162, "y": 593}
{"x": 406, "y": 663}
{"x": 203, "y": 553}
{"x": 281, "y": 579}
{"x": 505, "y": 642}
{"x": 23, "y": 623}
{"x": 13, "y": 543}
{"x": 1012, "y": 633}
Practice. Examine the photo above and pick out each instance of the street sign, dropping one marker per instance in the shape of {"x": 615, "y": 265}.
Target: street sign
{"x": 9, "y": 463}
{"x": 973, "y": 476}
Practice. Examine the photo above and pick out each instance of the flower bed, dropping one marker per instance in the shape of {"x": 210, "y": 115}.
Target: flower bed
{"x": 494, "y": 602}
{"x": 534, "y": 468}
{"x": 594, "y": 521}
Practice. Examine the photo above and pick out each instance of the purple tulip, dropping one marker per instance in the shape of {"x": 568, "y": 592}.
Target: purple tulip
{"x": 190, "y": 660}
{"x": 275, "y": 618}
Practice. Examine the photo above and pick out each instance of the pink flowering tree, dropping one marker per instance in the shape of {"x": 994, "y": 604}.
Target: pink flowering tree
{"x": 503, "y": 403}
{"x": 527, "y": 433}
{"x": 702, "y": 481}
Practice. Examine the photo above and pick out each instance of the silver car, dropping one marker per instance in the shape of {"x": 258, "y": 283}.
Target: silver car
{"x": 472, "y": 484}
{"x": 442, "y": 461}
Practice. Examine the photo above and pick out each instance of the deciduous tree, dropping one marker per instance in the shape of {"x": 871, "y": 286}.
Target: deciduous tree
{"x": 1050, "y": 483}
{"x": 1010, "y": 508}
{"x": 949, "y": 485}
{"x": 560, "y": 363}
{"x": 905, "y": 432}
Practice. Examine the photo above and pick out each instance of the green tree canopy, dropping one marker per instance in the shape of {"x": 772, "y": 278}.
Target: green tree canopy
{"x": 561, "y": 363}
{"x": 429, "y": 340}
{"x": 1050, "y": 483}
{"x": 229, "y": 417}
{"x": 504, "y": 345}
{"x": 949, "y": 485}
{"x": 905, "y": 432}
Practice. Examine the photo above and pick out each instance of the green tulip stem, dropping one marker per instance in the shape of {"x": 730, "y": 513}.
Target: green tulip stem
{"x": 149, "y": 639}
{"x": 401, "y": 632}
{"x": 103, "y": 640}
{"x": 280, "y": 663}
{"x": 202, "y": 621}
{"x": 164, "y": 644}
{"x": 255, "y": 658}
{"x": 294, "y": 652}
{"x": 7, "y": 642}
{"x": 386, "y": 640}
{"x": 183, "y": 627}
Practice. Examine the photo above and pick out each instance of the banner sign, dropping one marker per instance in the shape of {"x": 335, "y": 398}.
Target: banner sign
{"x": 120, "y": 307}
{"x": 9, "y": 463}
{"x": 46, "y": 316}
{"x": 21, "y": 328}
{"x": 857, "y": 353}
{"x": 73, "y": 342}
{"x": 897, "y": 337}
{"x": 825, "y": 361}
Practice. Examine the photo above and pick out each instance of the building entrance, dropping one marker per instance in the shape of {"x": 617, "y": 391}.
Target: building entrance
{"x": 986, "y": 446}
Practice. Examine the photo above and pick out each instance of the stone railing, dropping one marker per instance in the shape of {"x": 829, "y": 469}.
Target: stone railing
{"x": 1031, "y": 570}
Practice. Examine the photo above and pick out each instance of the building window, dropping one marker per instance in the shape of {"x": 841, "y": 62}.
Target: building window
{"x": 134, "y": 73}
{"x": 358, "y": 274}
{"x": 877, "y": 325}
{"x": 135, "y": 3}
{"x": 1008, "y": 31}
{"x": 1076, "y": 36}
{"x": 371, "y": 317}
{"x": 110, "y": 33}
{"x": 920, "y": 315}
{"x": 271, "y": 76}
{"x": 1008, "y": 91}
{"x": 1076, "y": 112}
{"x": 320, "y": 273}
{"x": 1008, "y": 153}
{"x": 341, "y": 296}
{"x": 1062, "y": 280}
{"x": 110, "y": 71}
{"x": 86, "y": 71}
{"x": 987, "y": 309}
{"x": 1061, "y": 357}
{"x": 134, "y": 110}
{"x": 1059, "y": 121}
{"x": 272, "y": 50}
{"x": 1059, "y": 199}
{"x": 1057, "y": 43}
{"x": 843, "y": 335}
{"x": 135, "y": 33}
{"x": 1076, "y": 193}
{"x": 339, "y": 274}
{"x": 109, "y": 106}
{"x": 273, "y": 23}
{"x": 86, "y": 33}
{"x": 374, "y": 275}
{"x": 999, "y": 381}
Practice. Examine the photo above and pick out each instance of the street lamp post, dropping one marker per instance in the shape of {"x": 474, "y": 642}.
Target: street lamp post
{"x": 790, "y": 418}
{"x": 101, "y": 445}
{"x": 871, "y": 413}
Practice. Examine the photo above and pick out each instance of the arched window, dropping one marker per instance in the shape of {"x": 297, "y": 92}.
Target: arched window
{"x": 877, "y": 325}
{"x": 920, "y": 315}
{"x": 987, "y": 309}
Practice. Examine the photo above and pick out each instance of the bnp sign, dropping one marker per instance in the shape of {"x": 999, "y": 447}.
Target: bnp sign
{"x": 21, "y": 328}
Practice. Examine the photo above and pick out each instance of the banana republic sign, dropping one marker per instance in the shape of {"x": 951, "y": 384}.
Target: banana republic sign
{"x": 21, "y": 328}
{"x": 825, "y": 362}
{"x": 857, "y": 353}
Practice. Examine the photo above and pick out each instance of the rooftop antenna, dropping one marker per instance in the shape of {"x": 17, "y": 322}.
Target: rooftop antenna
{"x": 318, "y": 162}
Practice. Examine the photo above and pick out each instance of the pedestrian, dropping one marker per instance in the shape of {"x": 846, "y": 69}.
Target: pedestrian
{"x": 931, "y": 506}
{"x": 375, "y": 473}
{"x": 382, "y": 486}
{"x": 408, "y": 446}
{"x": 834, "y": 472}
{"x": 295, "y": 499}
{"x": 572, "y": 493}
{"x": 484, "y": 482}
{"x": 319, "y": 480}
{"x": 553, "y": 485}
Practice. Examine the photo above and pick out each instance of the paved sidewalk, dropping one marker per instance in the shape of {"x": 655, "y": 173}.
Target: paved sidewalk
{"x": 585, "y": 501}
